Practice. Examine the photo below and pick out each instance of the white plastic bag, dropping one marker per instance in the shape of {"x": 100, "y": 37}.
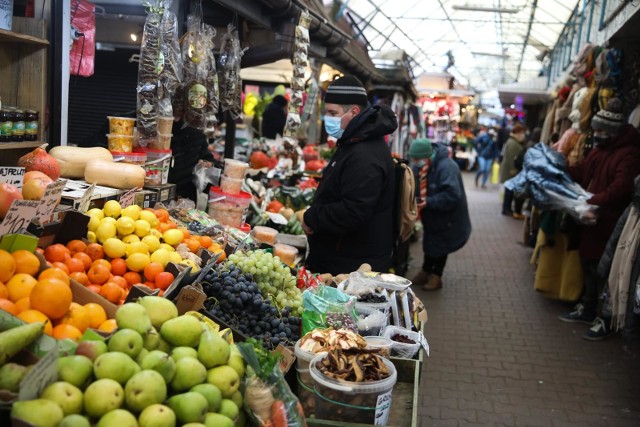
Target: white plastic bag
{"x": 402, "y": 349}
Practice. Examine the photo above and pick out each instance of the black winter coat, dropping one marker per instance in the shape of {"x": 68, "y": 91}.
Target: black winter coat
{"x": 447, "y": 226}
{"x": 352, "y": 214}
{"x": 273, "y": 120}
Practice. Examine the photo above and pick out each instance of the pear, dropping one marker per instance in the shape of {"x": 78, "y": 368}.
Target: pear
{"x": 67, "y": 396}
{"x": 74, "y": 420}
{"x": 182, "y": 331}
{"x": 151, "y": 340}
{"x": 102, "y": 396}
{"x": 163, "y": 345}
{"x": 217, "y": 420}
{"x": 189, "y": 372}
{"x": 39, "y": 412}
{"x": 237, "y": 398}
{"x": 212, "y": 394}
{"x": 11, "y": 375}
{"x": 15, "y": 339}
{"x": 91, "y": 349}
{"x": 133, "y": 316}
{"x": 143, "y": 353}
{"x": 213, "y": 349}
{"x": 179, "y": 352}
{"x": 76, "y": 370}
{"x": 116, "y": 366}
{"x": 160, "y": 362}
{"x": 118, "y": 418}
{"x": 193, "y": 425}
{"x": 225, "y": 378}
{"x": 157, "y": 416}
{"x": 126, "y": 341}
{"x": 159, "y": 309}
{"x": 144, "y": 389}
{"x": 236, "y": 361}
{"x": 189, "y": 407}
{"x": 229, "y": 409}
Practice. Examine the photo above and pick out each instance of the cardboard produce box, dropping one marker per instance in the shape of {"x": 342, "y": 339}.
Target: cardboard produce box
{"x": 166, "y": 192}
{"x": 75, "y": 189}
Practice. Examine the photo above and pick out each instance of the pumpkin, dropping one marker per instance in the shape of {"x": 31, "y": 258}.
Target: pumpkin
{"x": 73, "y": 160}
{"x": 118, "y": 175}
{"x": 39, "y": 160}
{"x": 8, "y": 193}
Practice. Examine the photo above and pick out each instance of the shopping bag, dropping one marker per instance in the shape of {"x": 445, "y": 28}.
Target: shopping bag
{"x": 495, "y": 173}
{"x": 83, "y": 49}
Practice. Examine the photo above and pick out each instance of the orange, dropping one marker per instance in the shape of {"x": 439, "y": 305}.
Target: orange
{"x": 118, "y": 266}
{"x": 54, "y": 273}
{"x": 97, "y": 315}
{"x": 161, "y": 293}
{"x": 86, "y": 259}
{"x": 9, "y": 306}
{"x": 52, "y": 297}
{"x": 7, "y": 266}
{"x": 132, "y": 278}
{"x": 75, "y": 265}
{"x": 108, "y": 325}
{"x": 40, "y": 251}
{"x": 95, "y": 288}
{"x": 62, "y": 266}
{"x": 162, "y": 227}
{"x": 20, "y": 286}
{"x": 120, "y": 281}
{"x": 76, "y": 246}
{"x": 163, "y": 280}
{"x": 23, "y": 304}
{"x": 150, "y": 285}
{"x": 4, "y": 292}
{"x": 162, "y": 215}
{"x": 55, "y": 253}
{"x": 26, "y": 262}
{"x": 32, "y": 316}
{"x": 152, "y": 269}
{"x": 172, "y": 225}
{"x": 80, "y": 277}
{"x": 77, "y": 316}
{"x": 192, "y": 244}
{"x": 98, "y": 274}
{"x": 111, "y": 291}
{"x": 187, "y": 233}
{"x": 223, "y": 256}
{"x": 94, "y": 250}
{"x": 206, "y": 241}
{"x": 63, "y": 331}
{"x": 104, "y": 262}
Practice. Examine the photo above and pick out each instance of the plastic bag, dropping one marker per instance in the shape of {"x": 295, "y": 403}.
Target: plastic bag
{"x": 371, "y": 321}
{"x": 83, "y": 49}
{"x": 359, "y": 284}
{"x": 171, "y": 74}
{"x": 403, "y": 349}
{"x": 229, "y": 80}
{"x": 328, "y": 307}
{"x": 203, "y": 176}
{"x": 578, "y": 208}
{"x": 148, "y": 74}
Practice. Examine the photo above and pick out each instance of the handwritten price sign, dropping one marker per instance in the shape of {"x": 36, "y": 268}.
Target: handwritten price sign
{"x": 19, "y": 216}
{"x": 129, "y": 197}
{"x": 50, "y": 200}
{"x": 13, "y": 176}
{"x": 85, "y": 201}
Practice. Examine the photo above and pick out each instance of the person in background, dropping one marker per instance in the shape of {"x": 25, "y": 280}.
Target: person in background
{"x": 487, "y": 150}
{"x": 350, "y": 221}
{"x": 274, "y": 117}
{"x": 513, "y": 147}
{"x": 442, "y": 203}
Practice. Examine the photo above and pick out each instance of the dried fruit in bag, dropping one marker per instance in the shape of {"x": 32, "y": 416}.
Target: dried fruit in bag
{"x": 148, "y": 73}
{"x": 229, "y": 80}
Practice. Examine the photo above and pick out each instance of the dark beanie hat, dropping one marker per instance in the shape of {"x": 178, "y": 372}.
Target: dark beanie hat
{"x": 346, "y": 90}
{"x": 611, "y": 118}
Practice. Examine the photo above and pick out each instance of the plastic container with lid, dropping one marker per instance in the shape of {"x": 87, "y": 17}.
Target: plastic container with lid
{"x": 306, "y": 394}
{"x": 359, "y": 402}
{"x": 161, "y": 142}
{"x": 121, "y": 125}
{"x": 131, "y": 158}
{"x": 230, "y": 185}
{"x": 228, "y": 209}
{"x": 265, "y": 234}
{"x": 235, "y": 168}
{"x": 285, "y": 252}
{"x": 165, "y": 125}
{"x": 157, "y": 166}
{"x": 385, "y": 345}
{"x": 120, "y": 143}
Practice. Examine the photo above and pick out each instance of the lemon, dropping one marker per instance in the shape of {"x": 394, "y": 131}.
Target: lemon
{"x": 175, "y": 257}
{"x": 114, "y": 248}
{"x": 125, "y": 225}
{"x": 191, "y": 264}
{"x": 150, "y": 217}
{"x": 156, "y": 233}
{"x": 132, "y": 212}
{"x": 91, "y": 236}
{"x": 112, "y": 208}
{"x": 137, "y": 248}
{"x": 131, "y": 238}
{"x": 96, "y": 212}
{"x": 173, "y": 237}
{"x": 152, "y": 242}
{"x": 162, "y": 256}
{"x": 137, "y": 261}
{"x": 108, "y": 220}
{"x": 105, "y": 231}
{"x": 94, "y": 222}
{"x": 142, "y": 228}
{"x": 167, "y": 247}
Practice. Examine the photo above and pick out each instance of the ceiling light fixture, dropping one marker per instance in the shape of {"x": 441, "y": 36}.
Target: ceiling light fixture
{"x": 472, "y": 8}
{"x": 134, "y": 37}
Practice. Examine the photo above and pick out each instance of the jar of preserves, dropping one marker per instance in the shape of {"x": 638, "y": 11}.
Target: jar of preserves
{"x": 18, "y": 125}
{"x": 31, "y": 125}
{"x": 6, "y": 125}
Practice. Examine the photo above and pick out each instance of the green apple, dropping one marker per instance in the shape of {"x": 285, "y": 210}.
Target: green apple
{"x": 237, "y": 398}
{"x": 126, "y": 341}
{"x": 217, "y": 420}
{"x": 116, "y": 366}
{"x": 151, "y": 340}
{"x": 75, "y": 370}
{"x": 74, "y": 420}
{"x": 213, "y": 350}
{"x": 189, "y": 372}
{"x": 133, "y": 316}
{"x": 144, "y": 389}
{"x": 225, "y": 378}
{"x": 11, "y": 375}
{"x": 189, "y": 407}
{"x": 182, "y": 331}
{"x": 159, "y": 310}
{"x": 157, "y": 416}
{"x": 39, "y": 412}
{"x": 229, "y": 409}
{"x": 236, "y": 361}
{"x": 179, "y": 352}
{"x": 91, "y": 349}
{"x": 211, "y": 393}
{"x": 160, "y": 362}
{"x": 118, "y": 418}
{"x": 102, "y": 396}
{"x": 67, "y": 396}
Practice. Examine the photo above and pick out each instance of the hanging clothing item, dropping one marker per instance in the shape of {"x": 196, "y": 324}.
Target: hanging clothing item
{"x": 566, "y": 142}
{"x": 576, "y": 155}
{"x": 547, "y": 127}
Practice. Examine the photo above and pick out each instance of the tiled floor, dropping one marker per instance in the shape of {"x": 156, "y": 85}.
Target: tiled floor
{"x": 499, "y": 356}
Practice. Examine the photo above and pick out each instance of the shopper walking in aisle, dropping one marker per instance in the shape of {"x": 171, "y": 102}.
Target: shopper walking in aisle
{"x": 351, "y": 219}
{"x": 513, "y": 147}
{"x": 274, "y": 117}
{"x": 487, "y": 150}
{"x": 607, "y": 172}
{"x": 443, "y": 209}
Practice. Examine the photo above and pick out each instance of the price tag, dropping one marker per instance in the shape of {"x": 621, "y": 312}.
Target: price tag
{"x": 11, "y": 175}
{"x": 277, "y": 218}
{"x": 383, "y": 408}
{"x": 423, "y": 342}
{"x": 85, "y": 201}
{"x": 129, "y": 197}
{"x": 50, "y": 200}
{"x": 19, "y": 216}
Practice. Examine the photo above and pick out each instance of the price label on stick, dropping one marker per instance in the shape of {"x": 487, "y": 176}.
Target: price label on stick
{"x": 85, "y": 201}
{"x": 11, "y": 175}
{"x": 19, "y": 216}
{"x": 128, "y": 198}
{"x": 50, "y": 200}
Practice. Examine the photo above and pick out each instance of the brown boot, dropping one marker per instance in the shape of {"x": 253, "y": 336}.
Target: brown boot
{"x": 433, "y": 284}
{"x": 421, "y": 278}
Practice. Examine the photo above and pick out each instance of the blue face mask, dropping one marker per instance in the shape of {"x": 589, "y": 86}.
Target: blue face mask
{"x": 332, "y": 126}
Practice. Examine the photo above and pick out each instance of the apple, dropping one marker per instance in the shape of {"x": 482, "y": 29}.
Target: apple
{"x": 189, "y": 372}
{"x": 160, "y": 362}
{"x": 144, "y": 389}
{"x": 179, "y": 352}
{"x": 189, "y": 407}
{"x": 67, "y": 396}
{"x": 118, "y": 418}
{"x": 126, "y": 341}
{"x": 103, "y": 396}
{"x": 91, "y": 349}
{"x": 76, "y": 370}
{"x": 211, "y": 393}
{"x": 38, "y": 412}
{"x": 133, "y": 316}
{"x": 116, "y": 366}
{"x": 225, "y": 378}
{"x": 157, "y": 416}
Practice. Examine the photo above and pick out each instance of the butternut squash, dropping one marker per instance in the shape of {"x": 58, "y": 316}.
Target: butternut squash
{"x": 118, "y": 175}
{"x": 72, "y": 160}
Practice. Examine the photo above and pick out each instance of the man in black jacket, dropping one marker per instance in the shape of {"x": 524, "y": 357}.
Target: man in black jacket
{"x": 351, "y": 219}
{"x": 274, "y": 117}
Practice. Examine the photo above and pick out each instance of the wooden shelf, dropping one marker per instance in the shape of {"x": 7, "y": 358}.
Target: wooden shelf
{"x": 19, "y": 145}
{"x": 10, "y": 36}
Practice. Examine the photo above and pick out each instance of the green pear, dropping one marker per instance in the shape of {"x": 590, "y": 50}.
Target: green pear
{"x": 67, "y": 396}
{"x": 143, "y": 353}
{"x": 116, "y": 366}
{"x": 241, "y": 421}
{"x": 225, "y": 378}
{"x": 118, "y": 418}
{"x": 151, "y": 340}
{"x": 217, "y": 420}
{"x": 236, "y": 361}
{"x": 133, "y": 316}
{"x": 189, "y": 407}
{"x": 76, "y": 370}
{"x": 102, "y": 396}
{"x": 193, "y": 425}
{"x": 179, "y": 352}
{"x": 143, "y": 389}
{"x": 229, "y": 409}
{"x": 237, "y": 398}
{"x": 74, "y": 420}
{"x": 211, "y": 393}
{"x": 163, "y": 345}
{"x": 189, "y": 372}
{"x": 157, "y": 416}
{"x": 11, "y": 375}
{"x": 213, "y": 350}
{"x": 126, "y": 341}
{"x": 159, "y": 310}
{"x": 39, "y": 412}
{"x": 91, "y": 349}
{"x": 182, "y": 331}
{"x": 160, "y": 362}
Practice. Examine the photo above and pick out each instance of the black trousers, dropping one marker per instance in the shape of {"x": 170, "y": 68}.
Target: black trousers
{"x": 508, "y": 200}
{"x": 593, "y": 286}
{"x": 434, "y": 265}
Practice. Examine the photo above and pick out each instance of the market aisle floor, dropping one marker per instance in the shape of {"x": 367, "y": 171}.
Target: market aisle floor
{"x": 499, "y": 356}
